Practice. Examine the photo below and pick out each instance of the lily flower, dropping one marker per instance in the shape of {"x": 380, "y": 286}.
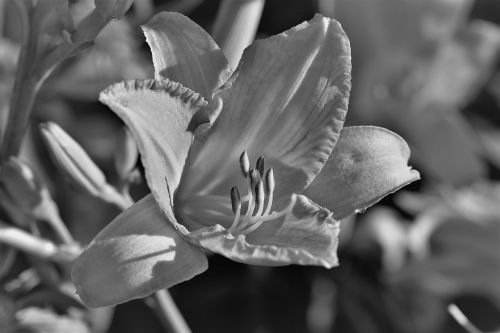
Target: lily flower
{"x": 253, "y": 164}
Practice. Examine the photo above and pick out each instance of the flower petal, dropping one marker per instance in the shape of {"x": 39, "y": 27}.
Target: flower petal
{"x": 307, "y": 235}
{"x": 160, "y": 116}
{"x": 185, "y": 53}
{"x": 138, "y": 253}
{"x": 367, "y": 163}
{"x": 287, "y": 102}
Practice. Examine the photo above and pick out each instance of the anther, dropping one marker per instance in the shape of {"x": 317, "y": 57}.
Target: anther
{"x": 270, "y": 184}
{"x": 259, "y": 193}
{"x": 261, "y": 186}
{"x": 244, "y": 163}
{"x": 260, "y": 165}
{"x": 235, "y": 199}
{"x": 259, "y": 197}
{"x": 254, "y": 178}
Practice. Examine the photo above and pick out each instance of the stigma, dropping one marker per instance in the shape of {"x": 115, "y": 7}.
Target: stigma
{"x": 251, "y": 211}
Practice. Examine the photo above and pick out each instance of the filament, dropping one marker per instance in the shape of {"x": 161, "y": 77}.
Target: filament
{"x": 258, "y": 196}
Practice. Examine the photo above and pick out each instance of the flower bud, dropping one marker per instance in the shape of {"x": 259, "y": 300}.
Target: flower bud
{"x": 70, "y": 159}
{"x": 126, "y": 156}
{"x": 19, "y": 183}
{"x": 114, "y": 9}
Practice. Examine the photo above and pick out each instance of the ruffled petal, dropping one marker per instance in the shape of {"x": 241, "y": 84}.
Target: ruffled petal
{"x": 367, "y": 163}
{"x": 185, "y": 53}
{"x": 307, "y": 235}
{"x": 138, "y": 253}
{"x": 287, "y": 102}
{"x": 159, "y": 115}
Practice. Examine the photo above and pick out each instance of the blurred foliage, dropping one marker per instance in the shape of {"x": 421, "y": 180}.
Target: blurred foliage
{"x": 427, "y": 69}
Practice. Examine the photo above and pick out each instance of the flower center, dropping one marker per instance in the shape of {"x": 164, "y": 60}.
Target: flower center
{"x": 249, "y": 213}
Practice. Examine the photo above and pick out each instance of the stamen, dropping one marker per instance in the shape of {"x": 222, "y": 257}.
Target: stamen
{"x": 254, "y": 178}
{"x": 236, "y": 205}
{"x": 260, "y": 185}
{"x": 259, "y": 197}
{"x": 269, "y": 189}
{"x": 270, "y": 184}
{"x": 235, "y": 199}
{"x": 273, "y": 216}
{"x": 260, "y": 165}
{"x": 244, "y": 163}
{"x": 250, "y": 197}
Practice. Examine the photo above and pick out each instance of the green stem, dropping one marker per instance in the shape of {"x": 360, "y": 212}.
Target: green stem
{"x": 51, "y": 213}
{"x": 24, "y": 90}
{"x": 31, "y": 74}
{"x": 39, "y": 247}
{"x": 2, "y": 16}
{"x": 460, "y": 317}
{"x": 86, "y": 32}
{"x": 172, "y": 317}
{"x": 22, "y": 102}
{"x": 111, "y": 195}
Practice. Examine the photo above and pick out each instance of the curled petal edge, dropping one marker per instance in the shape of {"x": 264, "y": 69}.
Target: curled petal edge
{"x": 253, "y": 248}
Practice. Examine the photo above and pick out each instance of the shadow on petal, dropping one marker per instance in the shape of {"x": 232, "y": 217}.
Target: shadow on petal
{"x": 138, "y": 253}
{"x": 287, "y": 102}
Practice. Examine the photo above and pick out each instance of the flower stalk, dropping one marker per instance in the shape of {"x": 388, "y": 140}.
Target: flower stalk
{"x": 34, "y": 67}
{"x": 460, "y": 317}
{"x": 39, "y": 247}
{"x": 172, "y": 317}
{"x": 50, "y": 212}
{"x": 24, "y": 90}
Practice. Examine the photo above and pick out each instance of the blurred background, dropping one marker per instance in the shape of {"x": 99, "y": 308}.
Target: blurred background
{"x": 427, "y": 69}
